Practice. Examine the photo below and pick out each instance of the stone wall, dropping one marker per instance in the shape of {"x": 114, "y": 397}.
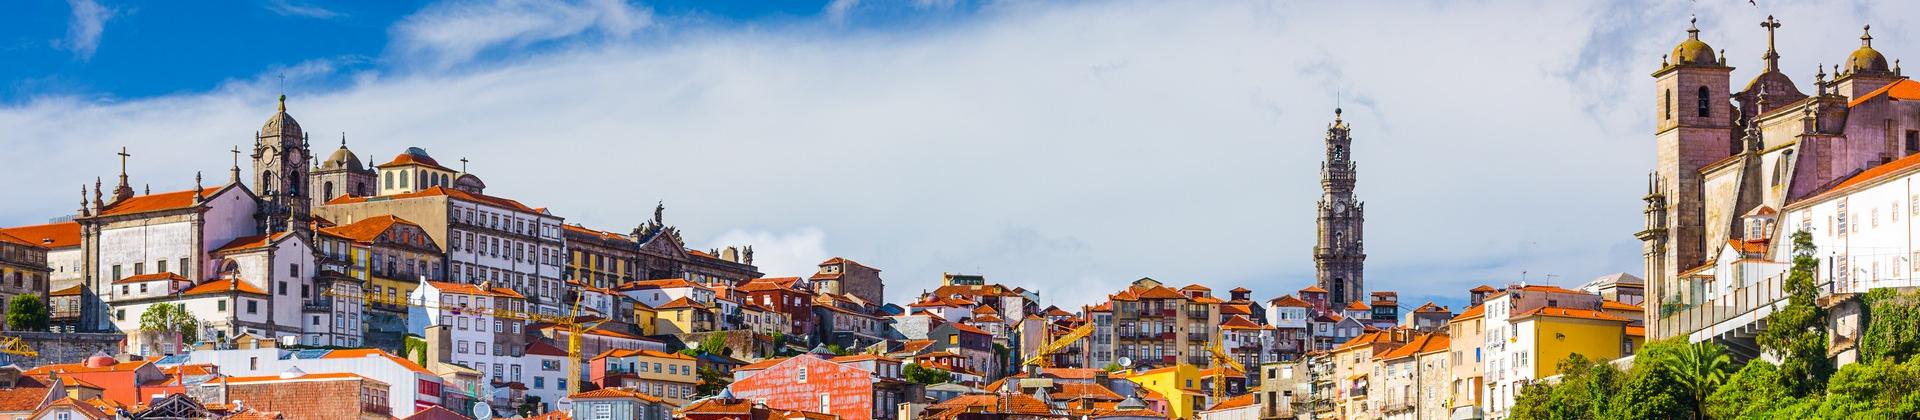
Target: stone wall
{"x": 63, "y": 347}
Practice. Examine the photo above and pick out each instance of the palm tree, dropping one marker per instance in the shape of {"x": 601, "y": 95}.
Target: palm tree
{"x": 1700, "y": 369}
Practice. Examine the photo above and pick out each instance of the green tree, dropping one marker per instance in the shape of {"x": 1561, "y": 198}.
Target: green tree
{"x": 1652, "y": 389}
{"x": 415, "y": 349}
{"x": 1797, "y": 333}
{"x": 1700, "y": 369}
{"x": 715, "y": 344}
{"x": 170, "y": 322}
{"x": 711, "y": 382}
{"x": 1881, "y": 389}
{"x": 1752, "y": 392}
{"x": 1583, "y": 392}
{"x": 1113, "y": 367}
{"x": 1892, "y": 328}
{"x": 925, "y": 375}
{"x": 26, "y": 312}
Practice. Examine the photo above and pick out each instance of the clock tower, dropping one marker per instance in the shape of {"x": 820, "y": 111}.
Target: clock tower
{"x": 1339, "y": 255}
{"x": 281, "y": 163}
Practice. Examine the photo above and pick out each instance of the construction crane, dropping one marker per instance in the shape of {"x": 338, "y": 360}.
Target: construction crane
{"x": 569, "y": 323}
{"x": 17, "y": 347}
{"x": 1040, "y": 356}
{"x": 1221, "y": 361}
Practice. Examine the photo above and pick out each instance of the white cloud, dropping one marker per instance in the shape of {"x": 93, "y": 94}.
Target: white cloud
{"x": 837, "y": 10}
{"x": 455, "y": 32}
{"x": 300, "y": 9}
{"x": 797, "y": 252}
{"x": 1068, "y": 148}
{"x": 84, "y": 28}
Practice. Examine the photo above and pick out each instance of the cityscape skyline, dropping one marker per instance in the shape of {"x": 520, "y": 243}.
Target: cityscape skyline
{"x": 1243, "y": 217}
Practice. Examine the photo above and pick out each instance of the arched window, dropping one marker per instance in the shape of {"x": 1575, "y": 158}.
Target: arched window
{"x": 1704, "y": 110}
{"x": 423, "y": 179}
{"x": 389, "y": 175}
{"x": 1666, "y": 104}
{"x": 403, "y": 179}
{"x": 326, "y": 190}
{"x": 360, "y": 189}
{"x": 266, "y": 182}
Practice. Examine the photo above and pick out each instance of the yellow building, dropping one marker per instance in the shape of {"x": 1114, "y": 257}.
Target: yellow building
{"x": 1561, "y": 332}
{"x": 670, "y": 376}
{"x": 682, "y": 316}
{"x": 1180, "y": 384}
{"x": 644, "y": 318}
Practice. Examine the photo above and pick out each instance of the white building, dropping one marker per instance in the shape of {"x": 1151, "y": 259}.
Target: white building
{"x": 473, "y": 317}
{"x": 411, "y": 388}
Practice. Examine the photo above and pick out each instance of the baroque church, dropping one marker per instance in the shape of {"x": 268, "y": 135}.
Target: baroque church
{"x": 240, "y": 258}
{"x": 1339, "y": 255}
{"x": 1729, "y": 163}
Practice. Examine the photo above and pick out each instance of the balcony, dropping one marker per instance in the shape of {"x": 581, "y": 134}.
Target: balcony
{"x": 1197, "y": 336}
{"x": 1169, "y": 312}
{"x": 1166, "y": 335}
{"x": 1198, "y": 360}
{"x": 370, "y": 408}
{"x": 1169, "y": 360}
{"x": 1357, "y": 392}
{"x": 317, "y": 306}
{"x": 1397, "y": 406}
{"x": 1197, "y": 314}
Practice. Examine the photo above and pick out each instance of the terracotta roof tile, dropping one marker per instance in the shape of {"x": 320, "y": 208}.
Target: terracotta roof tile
{"x": 1239, "y": 401}
{"x": 1473, "y": 312}
{"x": 224, "y": 286}
{"x": 53, "y": 235}
{"x": 368, "y": 229}
{"x": 1570, "y": 313}
{"x": 155, "y": 202}
{"x": 1289, "y": 301}
{"x": 1313, "y": 289}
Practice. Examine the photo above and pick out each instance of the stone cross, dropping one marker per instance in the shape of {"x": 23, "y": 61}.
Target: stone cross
{"x": 1773, "y": 58}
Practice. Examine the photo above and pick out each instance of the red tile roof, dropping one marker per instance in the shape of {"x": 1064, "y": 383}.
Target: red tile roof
{"x": 447, "y": 192}
{"x": 1473, "y": 312}
{"x": 251, "y": 242}
{"x": 1484, "y": 288}
{"x": 1196, "y": 286}
{"x": 223, "y": 286}
{"x": 1357, "y": 306}
{"x": 1617, "y": 305}
{"x": 682, "y": 303}
{"x": 640, "y": 352}
{"x": 970, "y": 329}
{"x": 1313, "y": 289}
{"x": 397, "y": 360}
{"x": 413, "y": 159}
{"x": 1902, "y": 90}
{"x": 1290, "y": 301}
{"x": 154, "y": 202}
{"x": 151, "y": 277}
{"x": 620, "y": 393}
{"x": 1237, "y": 322}
{"x": 70, "y": 291}
{"x": 368, "y": 229}
{"x": 436, "y": 413}
{"x": 1570, "y": 313}
{"x": 1239, "y": 401}
{"x": 53, "y": 235}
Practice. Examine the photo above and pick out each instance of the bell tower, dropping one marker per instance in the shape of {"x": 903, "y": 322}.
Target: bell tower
{"x": 1694, "y": 127}
{"x": 281, "y": 165}
{"x": 1339, "y": 256}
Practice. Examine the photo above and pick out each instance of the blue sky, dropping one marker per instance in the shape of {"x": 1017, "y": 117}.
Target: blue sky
{"x": 1069, "y": 147}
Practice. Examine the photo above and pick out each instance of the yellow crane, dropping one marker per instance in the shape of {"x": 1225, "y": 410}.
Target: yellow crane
{"x": 16, "y": 346}
{"x": 1221, "y": 361}
{"x": 1040, "y": 358}
{"x": 569, "y": 323}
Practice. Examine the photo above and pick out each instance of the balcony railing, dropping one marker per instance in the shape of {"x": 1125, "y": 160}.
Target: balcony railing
{"x": 1166, "y": 335}
{"x": 371, "y": 408}
{"x": 1197, "y": 336}
{"x": 1197, "y": 314}
{"x": 1168, "y": 360}
{"x": 1396, "y": 406}
{"x": 1169, "y": 312}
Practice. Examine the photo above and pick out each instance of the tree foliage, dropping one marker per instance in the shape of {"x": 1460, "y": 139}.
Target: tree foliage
{"x": 1699, "y": 368}
{"x": 711, "y": 382}
{"x": 1892, "y": 326}
{"x": 1752, "y": 392}
{"x": 1653, "y": 389}
{"x": 26, "y": 312}
{"x": 171, "y": 322}
{"x": 926, "y": 375}
{"x": 1584, "y": 392}
{"x": 1797, "y": 332}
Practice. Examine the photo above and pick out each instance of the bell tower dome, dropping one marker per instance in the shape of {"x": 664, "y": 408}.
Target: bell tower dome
{"x": 281, "y": 165}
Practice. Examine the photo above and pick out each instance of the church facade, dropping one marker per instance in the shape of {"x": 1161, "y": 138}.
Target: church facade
{"x": 1729, "y": 162}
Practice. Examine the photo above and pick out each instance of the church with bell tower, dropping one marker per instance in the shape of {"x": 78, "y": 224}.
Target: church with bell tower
{"x": 280, "y": 168}
{"x": 1339, "y": 256}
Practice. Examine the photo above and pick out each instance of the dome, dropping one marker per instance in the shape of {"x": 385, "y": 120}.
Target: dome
{"x": 1692, "y": 51}
{"x": 342, "y": 159}
{"x": 1866, "y": 59}
{"x": 280, "y": 124}
{"x": 100, "y": 360}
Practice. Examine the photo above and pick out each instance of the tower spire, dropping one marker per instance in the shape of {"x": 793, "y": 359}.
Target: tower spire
{"x": 234, "y": 178}
{"x": 124, "y": 190}
{"x": 1772, "y": 57}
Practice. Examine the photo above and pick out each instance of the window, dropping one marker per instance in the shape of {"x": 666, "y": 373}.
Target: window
{"x": 221, "y": 305}
{"x": 139, "y": 268}
{"x": 253, "y": 306}
{"x": 1705, "y": 111}
{"x": 160, "y": 266}
{"x": 802, "y": 377}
